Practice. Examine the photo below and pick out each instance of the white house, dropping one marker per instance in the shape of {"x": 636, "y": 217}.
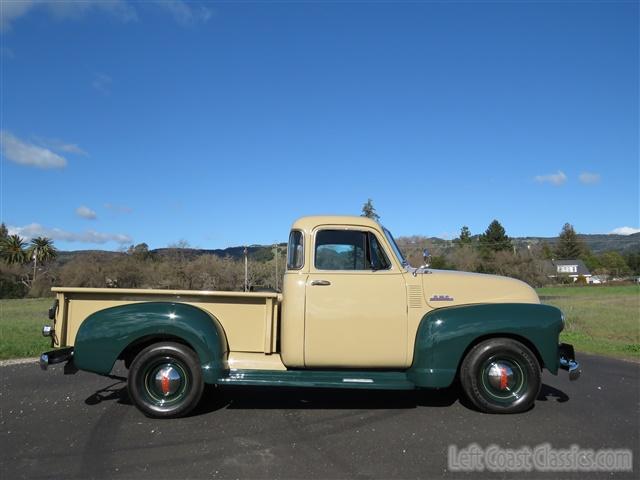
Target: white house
{"x": 567, "y": 268}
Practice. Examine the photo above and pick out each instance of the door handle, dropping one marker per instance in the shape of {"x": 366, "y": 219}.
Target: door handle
{"x": 320, "y": 283}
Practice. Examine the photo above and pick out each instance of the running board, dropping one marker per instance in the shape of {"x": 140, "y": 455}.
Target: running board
{"x": 319, "y": 379}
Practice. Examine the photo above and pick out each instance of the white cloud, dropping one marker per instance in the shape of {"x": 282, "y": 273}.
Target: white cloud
{"x": 118, "y": 208}
{"x": 102, "y": 83}
{"x": 13, "y": 10}
{"x": 86, "y": 212}
{"x": 185, "y": 14}
{"x": 89, "y": 236}
{"x": 556, "y": 179}
{"x": 589, "y": 178}
{"x": 65, "y": 9}
{"x": 24, "y": 153}
{"x": 625, "y": 230}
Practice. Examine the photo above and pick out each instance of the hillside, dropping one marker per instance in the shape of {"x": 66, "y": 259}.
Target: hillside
{"x": 596, "y": 243}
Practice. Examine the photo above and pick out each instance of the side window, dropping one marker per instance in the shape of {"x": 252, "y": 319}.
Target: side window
{"x": 341, "y": 250}
{"x": 295, "y": 250}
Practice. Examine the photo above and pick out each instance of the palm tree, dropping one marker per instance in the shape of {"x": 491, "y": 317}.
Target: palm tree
{"x": 12, "y": 249}
{"x": 41, "y": 251}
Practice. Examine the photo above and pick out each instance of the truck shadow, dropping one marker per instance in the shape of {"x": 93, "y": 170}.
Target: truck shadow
{"x": 548, "y": 392}
{"x": 327, "y": 398}
{"x": 249, "y": 398}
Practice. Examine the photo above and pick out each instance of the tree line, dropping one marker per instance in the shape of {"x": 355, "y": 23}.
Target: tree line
{"x": 494, "y": 252}
{"x": 31, "y": 269}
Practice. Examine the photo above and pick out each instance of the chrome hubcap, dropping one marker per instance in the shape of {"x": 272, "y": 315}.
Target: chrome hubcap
{"x": 501, "y": 377}
{"x": 167, "y": 380}
{"x": 504, "y": 380}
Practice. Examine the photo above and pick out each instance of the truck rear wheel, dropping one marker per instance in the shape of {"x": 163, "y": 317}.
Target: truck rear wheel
{"x": 501, "y": 375}
{"x": 165, "y": 380}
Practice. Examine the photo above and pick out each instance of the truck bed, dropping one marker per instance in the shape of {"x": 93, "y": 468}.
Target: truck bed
{"x": 250, "y": 320}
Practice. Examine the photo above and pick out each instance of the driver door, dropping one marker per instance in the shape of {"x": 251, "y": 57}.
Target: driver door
{"x": 356, "y": 308}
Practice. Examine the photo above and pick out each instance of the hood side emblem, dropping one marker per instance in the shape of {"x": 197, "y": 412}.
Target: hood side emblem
{"x": 441, "y": 298}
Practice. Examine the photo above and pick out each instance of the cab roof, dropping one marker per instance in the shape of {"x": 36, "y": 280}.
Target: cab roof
{"x": 307, "y": 224}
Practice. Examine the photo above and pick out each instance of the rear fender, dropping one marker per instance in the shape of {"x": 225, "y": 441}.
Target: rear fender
{"x": 104, "y": 335}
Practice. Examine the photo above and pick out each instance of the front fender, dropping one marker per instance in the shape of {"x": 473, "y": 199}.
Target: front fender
{"x": 104, "y": 335}
{"x": 445, "y": 334}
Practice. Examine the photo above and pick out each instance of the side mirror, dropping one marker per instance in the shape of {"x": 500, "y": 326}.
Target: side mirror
{"x": 426, "y": 257}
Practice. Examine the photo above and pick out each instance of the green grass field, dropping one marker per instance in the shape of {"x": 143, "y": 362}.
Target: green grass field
{"x": 602, "y": 320}
{"x": 599, "y": 319}
{"x": 21, "y": 322}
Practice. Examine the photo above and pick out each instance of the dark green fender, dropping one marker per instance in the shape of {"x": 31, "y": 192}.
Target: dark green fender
{"x": 445, "y": 334}
{"x": 105, "y": 334}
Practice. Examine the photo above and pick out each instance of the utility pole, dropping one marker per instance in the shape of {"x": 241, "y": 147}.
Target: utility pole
{"x": 276, "y": 245}
{"x": 35, "y": 262}
{"x": 246, "y": 270}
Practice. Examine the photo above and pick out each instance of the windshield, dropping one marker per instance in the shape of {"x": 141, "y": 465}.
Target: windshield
{"x": 395, "y": 248}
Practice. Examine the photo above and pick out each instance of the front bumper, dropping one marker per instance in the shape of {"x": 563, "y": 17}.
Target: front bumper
{"x": 57, "y": 356}
{"x": 567, "y": 361}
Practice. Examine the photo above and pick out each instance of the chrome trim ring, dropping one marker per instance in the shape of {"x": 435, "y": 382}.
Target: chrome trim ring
{"x": 503, "y": 380}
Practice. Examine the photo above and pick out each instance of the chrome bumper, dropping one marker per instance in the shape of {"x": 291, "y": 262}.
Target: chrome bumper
{"x": 56, "y": 356}
{"x": 567, "y": 361}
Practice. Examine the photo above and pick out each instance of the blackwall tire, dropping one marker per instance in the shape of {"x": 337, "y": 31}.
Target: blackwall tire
{"x": 165, "y": 380}
{"x": 501, "y": 375}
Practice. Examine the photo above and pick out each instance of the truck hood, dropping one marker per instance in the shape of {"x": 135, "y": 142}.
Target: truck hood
{"x": 444, "y": 288}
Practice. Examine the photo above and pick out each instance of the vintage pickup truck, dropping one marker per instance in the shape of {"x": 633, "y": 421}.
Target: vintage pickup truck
{"x": 353, "y": 314}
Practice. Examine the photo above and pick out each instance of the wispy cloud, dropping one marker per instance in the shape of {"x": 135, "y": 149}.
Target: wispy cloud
{"x": 12, "y": 11}
{"x": 65, "y": 9}
{"x": 102, "y": 83}
{"x": 23, "y": 153}
{"x": 89, "y": 236}
{"x": 557, "y": 179}
{"x": 118, "y": 208}
{"x": 185, "y": 14}
{"x": 589, "y": 178}
{"x": 86, "y": 212}
{"x": 625, "y": 231}
{"x": 60, "y": 146}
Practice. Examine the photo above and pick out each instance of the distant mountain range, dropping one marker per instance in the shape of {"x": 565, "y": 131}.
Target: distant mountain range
{"x": 598, "y": 243}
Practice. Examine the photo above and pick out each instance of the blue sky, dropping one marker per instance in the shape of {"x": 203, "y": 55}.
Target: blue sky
{"x": 221, "y": 122}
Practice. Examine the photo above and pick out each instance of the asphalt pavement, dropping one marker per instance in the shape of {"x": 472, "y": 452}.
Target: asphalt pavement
{"x": 83, "y": 426}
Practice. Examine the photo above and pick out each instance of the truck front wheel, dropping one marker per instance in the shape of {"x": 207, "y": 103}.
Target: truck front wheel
{"x": 165, "y": 380}
{"x": 501, "y": 375}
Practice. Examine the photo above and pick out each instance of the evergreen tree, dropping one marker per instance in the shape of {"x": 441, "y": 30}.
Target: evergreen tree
{"x": 547, "y": 252}
{"x": 569, "y": 246}
{"x": 369, "y": 211}
{"x": 4, "y": 232}
{"x": 465, "y": 237}
{"x": 495, "y": 239}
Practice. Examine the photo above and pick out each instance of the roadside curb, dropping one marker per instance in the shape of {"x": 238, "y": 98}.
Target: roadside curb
{"x": 18, "y": 361}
